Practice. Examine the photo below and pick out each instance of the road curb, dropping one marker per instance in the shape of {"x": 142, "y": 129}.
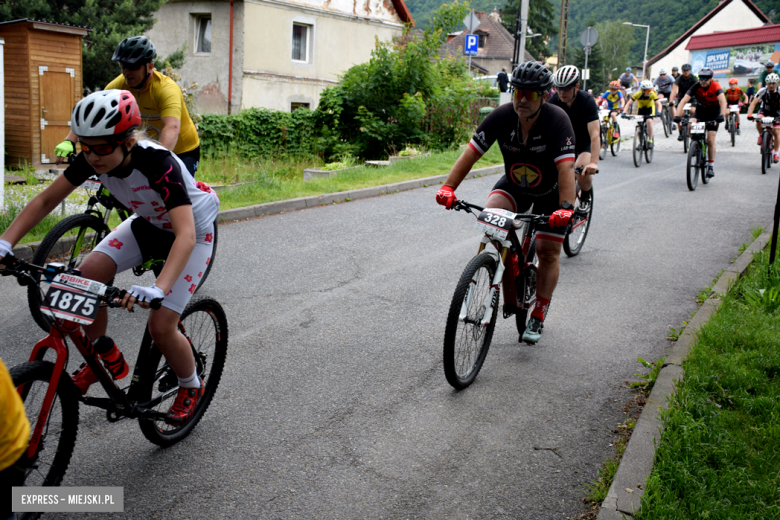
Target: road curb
{"x": 27, "y": 251}
{"x": 625, "y": 495}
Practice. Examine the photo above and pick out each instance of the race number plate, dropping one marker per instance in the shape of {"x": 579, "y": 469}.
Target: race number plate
{"x": 697, "y": 128}
{"x": 91, "y": 185}
{"x": 495, "y": 222}
{"x": 73, "y": 298}
{"x": 734, "y": 108}
{"x": 768, "y": 120}
{"x": 687, "y": 106}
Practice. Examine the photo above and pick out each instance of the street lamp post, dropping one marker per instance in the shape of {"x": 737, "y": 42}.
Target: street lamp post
{"x": 647, "y": 41}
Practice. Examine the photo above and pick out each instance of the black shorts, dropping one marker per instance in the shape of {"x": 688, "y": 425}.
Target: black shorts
{"x": 649, "y": 111}
{"x": 707, "y": 115}
{"x": 190, "y": 160}
{"x": 544, "y": 204}
{"x": 578, "y": 149}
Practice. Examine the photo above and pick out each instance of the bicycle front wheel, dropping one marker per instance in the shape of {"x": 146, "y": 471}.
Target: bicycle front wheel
{"x": 466, "y": 337}
{"x": 603, "y": 143}
{"x": 638, "y": 147}
{"x": 733, "y": 129}
{"x": 766, "y": 155}
{"x": 665, "y": 122}
{"x": 686, "y": 139}
{"x": 648, "y": 150}
{"x": 692, "y": 166}
{"x": 205, "y": 326}
{"x": 575, "y": 237}
{"x": 47, "y": 467}
{"x": 615, "y": 146}
{"x": 69, "y": 242}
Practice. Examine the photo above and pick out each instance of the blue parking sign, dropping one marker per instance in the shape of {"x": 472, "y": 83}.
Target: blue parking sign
{"x": 472, "y": 44}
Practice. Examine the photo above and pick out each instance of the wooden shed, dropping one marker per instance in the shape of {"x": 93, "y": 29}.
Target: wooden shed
{"x": 43, "y": 82}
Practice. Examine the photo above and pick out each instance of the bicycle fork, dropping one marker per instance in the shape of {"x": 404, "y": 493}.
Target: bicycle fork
{"x": 494, "y": 285}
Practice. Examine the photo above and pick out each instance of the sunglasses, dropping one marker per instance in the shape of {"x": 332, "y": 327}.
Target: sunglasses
{"x": 101, "y": 149}
{"x": 565, "y": 89}
{"x": 130, "y": 66}
{"x": 530, "y": 95}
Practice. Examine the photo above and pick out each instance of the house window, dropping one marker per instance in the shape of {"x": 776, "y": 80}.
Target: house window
{"x": 300, "y": 42}
{"x": 203, "y": 34}
{"x": 482, "y": 38}
{"x": 296, "y": 106}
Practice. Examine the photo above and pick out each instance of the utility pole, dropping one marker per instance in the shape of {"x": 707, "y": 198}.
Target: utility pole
{"x": 521, "y": 31}
{"x": 563, "y": 33}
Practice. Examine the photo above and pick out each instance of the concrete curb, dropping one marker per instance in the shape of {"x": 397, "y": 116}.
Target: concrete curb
{"x": 625, "y": 495}
{"x": 27, "y": 251}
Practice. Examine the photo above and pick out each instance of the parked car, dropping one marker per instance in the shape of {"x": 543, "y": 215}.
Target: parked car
{"x": 492, "y": 80}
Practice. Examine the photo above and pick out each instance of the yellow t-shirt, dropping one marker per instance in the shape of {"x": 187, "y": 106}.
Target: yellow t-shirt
{"x": 14, "y": 426}
{"x": 643, "y": 101}
{"x": 162, "y": 97}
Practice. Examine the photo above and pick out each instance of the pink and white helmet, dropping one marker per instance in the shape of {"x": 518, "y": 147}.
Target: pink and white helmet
{"x": 566, "y": 76}
{"x": 107, "y": 114}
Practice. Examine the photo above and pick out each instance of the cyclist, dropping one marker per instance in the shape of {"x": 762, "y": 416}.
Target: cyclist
{"x": 682, "y": 85}
{"x": 174, "y": 219}
{"x": 675, "y": 73}
{"x": 627, "y": 79}
{"x": 14, "y": 434}
{"x": 769, "y": 69}
{"x": 734, "y": 96}
{"x": 162, "y": 105}
{"x": 769, "y": 97}
{"x": 537, "y": 142}
{"x": 648, "y": 104}
{"x": 584, "y": 116}
{"x": 712, "y": 109}
{"x": 613, "y": 99}
{"x": 664, "y": 84}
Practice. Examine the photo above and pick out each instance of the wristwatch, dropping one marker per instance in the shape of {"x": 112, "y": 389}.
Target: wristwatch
{"x": 567, "y": 205}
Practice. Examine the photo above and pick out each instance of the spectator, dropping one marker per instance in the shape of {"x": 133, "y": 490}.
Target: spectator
{"x": 503, "y": 79}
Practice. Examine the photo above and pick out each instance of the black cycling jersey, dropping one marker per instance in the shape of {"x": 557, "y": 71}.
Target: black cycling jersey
{"x": 530, "y": 166}
{"x": 685, "y": 84}
{"x": 769, "y": 102}
{"x": 582, "y": 111}
{"x": 155, "y": 182}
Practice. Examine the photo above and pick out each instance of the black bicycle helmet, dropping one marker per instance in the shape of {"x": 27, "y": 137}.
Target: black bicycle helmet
{"x": 674, "y": 68}
{"x": 686, "y": 66}
{"x": 706, "y": 73}
{"x": 136, "y": 49}
{"x": 531, "y": 75}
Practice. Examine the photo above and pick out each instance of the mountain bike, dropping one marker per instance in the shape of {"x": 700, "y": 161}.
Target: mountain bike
{"x": 610, "y": 137}
{"x": 509, "y": 263}
{"x": 641, "y": 139}
{"x": 580, "y": 222}
{"x": 684, "y": 122}
{"x": 731, "y": 123}
{"x": 50, "y": 397}
{"x": 74, "y": 237}
{"x": 666, "y": 118}
{"x": 767, "y": 141}
{"x": 697, "y": 156}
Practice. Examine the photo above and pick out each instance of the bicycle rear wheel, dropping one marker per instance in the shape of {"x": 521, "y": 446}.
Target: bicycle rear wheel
{"x": 686, "y": 139}
{"x": 467, "y": 340}
{"x": 69, "y": 242}
{"x": 529, "y": 289}
{"x": 204, "y": 324}
{"x": 47, "y": 467}
{"x": 575, "y": 237}
{"x": 638, "y": 145}
{"x": 703, "y": 164}
{"x": 692, "y": 166}
{"x": 603, "y": 143}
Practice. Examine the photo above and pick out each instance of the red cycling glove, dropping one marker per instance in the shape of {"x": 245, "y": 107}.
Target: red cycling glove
{"x": 446, "y": 197}
{"x": 560, "y": 218}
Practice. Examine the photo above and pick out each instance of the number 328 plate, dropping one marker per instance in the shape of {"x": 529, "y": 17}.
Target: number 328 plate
{"x": 495, "y": 222}
{"x": 73, "y": 298}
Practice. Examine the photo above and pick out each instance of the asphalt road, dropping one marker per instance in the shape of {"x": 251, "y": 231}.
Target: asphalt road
{"x": 334, "y": 404}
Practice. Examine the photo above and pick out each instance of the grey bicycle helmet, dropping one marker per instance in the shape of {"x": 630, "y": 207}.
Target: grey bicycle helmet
{"x": 566, "y": 76}
{"x": 769, "y": 64}
{"x": 706, "y": 73}
{"x": 136, "y": 49}
{"x": 686, "y": 66}
{"x": 531, "y": 75}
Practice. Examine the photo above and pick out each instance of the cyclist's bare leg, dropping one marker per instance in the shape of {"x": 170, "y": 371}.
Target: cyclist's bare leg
{"x": 549, "y": 253}
{"x": 163, "y": 327}
{"x": 101, "y": 268}
{"x": 776, "y": 133}
{"x": 650, "y": 129}
{"x": 759, "y": 127}
{"x": 585, "y": 182}
{"x": 711, "y": 145}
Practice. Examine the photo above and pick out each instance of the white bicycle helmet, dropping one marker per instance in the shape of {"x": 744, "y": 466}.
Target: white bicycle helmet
{"x": 646, "y": 85}
{"x": 566, "y": 76}
{"x": 772, "y": 78}
{"x": 107, "y": 114}
{"x": 662, "y": 72}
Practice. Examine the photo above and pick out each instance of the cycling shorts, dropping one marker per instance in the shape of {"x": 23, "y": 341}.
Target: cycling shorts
{"x": 579, "y": 149}
{"x": 544, "y": 205}
{"x": 649, "y": 111}
{"x": 122, "y": 246}
{"x": 191, "y": 160}
{"x": 708, "y": 115}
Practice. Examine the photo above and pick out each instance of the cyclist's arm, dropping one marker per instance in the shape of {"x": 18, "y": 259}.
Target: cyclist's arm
{"x": 35, "y": 211}
{"x": 461, "y": 168}
{"x": 724, "y": 107}
{"x": 169, "y": 135}
{"x": 566, "y": 181}
{"x": 629, "y": 100}
{"x": 753, "y": 104}
{"x": 594, "y": 130}
{"x": 658, "y": 107}
{"x": 183, "y": 223}
{"x": 675, "y": 88}
{"x": 170, "y": 101}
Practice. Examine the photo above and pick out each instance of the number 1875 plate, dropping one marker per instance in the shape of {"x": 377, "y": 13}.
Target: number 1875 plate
{"x": 73, "y": 298}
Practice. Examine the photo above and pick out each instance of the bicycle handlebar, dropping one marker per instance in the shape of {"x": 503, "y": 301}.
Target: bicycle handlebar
{"x": 23, "y": 270}
{"x": 462, "y": 205}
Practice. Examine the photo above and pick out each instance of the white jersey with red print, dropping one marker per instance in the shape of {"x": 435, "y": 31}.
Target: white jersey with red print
{"x": 155, "y": 182}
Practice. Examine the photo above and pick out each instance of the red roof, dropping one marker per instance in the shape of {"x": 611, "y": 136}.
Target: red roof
{"x": 403, "y": 11}
{"x": 766, "y": 34}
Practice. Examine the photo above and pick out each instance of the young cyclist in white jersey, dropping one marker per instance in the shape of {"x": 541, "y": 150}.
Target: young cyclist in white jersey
{"x": 173, "y": 212}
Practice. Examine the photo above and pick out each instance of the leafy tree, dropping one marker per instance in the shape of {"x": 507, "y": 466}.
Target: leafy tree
{"x": 541, "y": 19}
{"x": 595, "y": 64}
{"x": 110, "y": 21}
{"x": 614, "y": 43}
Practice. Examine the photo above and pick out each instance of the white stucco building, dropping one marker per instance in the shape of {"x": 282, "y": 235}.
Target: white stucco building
{"x": 729, "y": 15}
{"x": 284, "y": 53}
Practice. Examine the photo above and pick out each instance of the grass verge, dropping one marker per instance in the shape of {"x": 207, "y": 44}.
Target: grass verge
{"x": 719, "y": 455}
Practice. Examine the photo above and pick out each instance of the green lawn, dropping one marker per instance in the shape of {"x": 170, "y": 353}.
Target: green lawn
{"x": 719, "y": 456}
